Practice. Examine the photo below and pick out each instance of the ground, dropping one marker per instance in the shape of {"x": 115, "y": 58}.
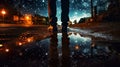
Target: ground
{"x": 110, "y": 29}
{"x": 85, "y": 45}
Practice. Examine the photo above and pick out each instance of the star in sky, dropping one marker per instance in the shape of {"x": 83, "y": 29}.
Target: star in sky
{"x": 78, "y": 8}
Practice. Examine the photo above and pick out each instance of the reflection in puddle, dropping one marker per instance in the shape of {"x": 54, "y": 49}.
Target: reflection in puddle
{"x": 60, "y": 49}
{"x": 81, "y": 51}
{"x": 89, "y": 32}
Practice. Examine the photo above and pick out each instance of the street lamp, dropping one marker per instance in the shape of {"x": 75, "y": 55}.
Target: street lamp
{"x": 27, "y": 18}
{"x": 3, "y": 13}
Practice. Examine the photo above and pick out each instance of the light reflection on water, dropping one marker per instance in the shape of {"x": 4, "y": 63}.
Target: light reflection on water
{"x": 79, "y": 44}
{"x": 63, "y": 49}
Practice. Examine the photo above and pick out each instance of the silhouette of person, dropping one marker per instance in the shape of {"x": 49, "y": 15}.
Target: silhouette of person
{"x": 64, "y": 14}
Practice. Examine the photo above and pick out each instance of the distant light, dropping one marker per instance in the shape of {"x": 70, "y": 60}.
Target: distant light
{"x": 27, "y": 17}
{"x": 50, "y": 28}
{"x": 43, "y": 0}
{"x": 46, "y": 53}
{"x": 91, "y": 20}
{"x": 77, "y": 47}
{"x": 20, "y": 53}
{"x": 30, "y": 39}
{"x": 19, "y": 43}
{"x": 93, "y": 45}
{"x": 7, "y": 50}
{"x": 72, "y": 1}
{"x": 3, "y": 12}
{"x": 44, "y": 19}
{"x": 1, "y": 45}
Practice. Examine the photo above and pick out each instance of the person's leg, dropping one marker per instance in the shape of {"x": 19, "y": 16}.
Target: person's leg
{"x": 52, "y": 14}
{"x": 64, "y": 14}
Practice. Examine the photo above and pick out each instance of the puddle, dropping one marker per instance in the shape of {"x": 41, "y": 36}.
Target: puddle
{"x": 66, "y": 50}
{"x": 91, "y": 33}
{"x": 76, "y": 43}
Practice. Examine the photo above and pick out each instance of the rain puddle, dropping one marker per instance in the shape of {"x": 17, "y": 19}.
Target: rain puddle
{"x": 91, "y": 33}
{"x": 59, "y": 50}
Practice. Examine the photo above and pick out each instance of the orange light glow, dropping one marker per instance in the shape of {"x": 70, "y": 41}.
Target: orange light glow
{"x": 20, "y": 44}
{"x": 77, "y": 47}
{"x": 50, "y": 28}
{"x": 29, "y": 23}
{"x": 7, "y": 50}
{"x": 3, "y": 12}
{"x": 30, "y": 39}
{"x": 1, "y": 45}
{"x": 91, "y": 20}
{"x": 27, "y": 18}
{"x": 15, "y": 18}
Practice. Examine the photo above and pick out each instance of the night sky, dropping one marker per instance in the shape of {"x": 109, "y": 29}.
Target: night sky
{"x": 78, "y": 8}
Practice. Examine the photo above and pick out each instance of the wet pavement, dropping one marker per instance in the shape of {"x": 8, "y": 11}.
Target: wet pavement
{"x": 31, "y": 47}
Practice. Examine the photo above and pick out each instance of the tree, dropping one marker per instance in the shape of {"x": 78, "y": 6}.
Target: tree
{"x": 114, "y": 10}
{"x": 75, "y": 21}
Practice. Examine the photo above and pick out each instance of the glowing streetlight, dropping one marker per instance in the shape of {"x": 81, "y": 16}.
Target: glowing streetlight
{"x": 20, "y": 44}
{"x": 28, "y": 19}
{"x": 7, "y": 50}
{"x": 3, "y": 13}
{"x": 1, "y": 45}
{"x": 30, "y": 39}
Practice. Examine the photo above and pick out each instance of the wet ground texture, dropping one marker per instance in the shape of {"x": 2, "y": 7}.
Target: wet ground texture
{"x": 31, "y": 47}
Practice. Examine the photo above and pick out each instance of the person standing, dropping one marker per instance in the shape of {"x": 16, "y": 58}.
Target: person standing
{"x": 64, "y": 14}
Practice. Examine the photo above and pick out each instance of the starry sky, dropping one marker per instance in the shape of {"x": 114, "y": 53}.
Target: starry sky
{"x": 78, "y": 8}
